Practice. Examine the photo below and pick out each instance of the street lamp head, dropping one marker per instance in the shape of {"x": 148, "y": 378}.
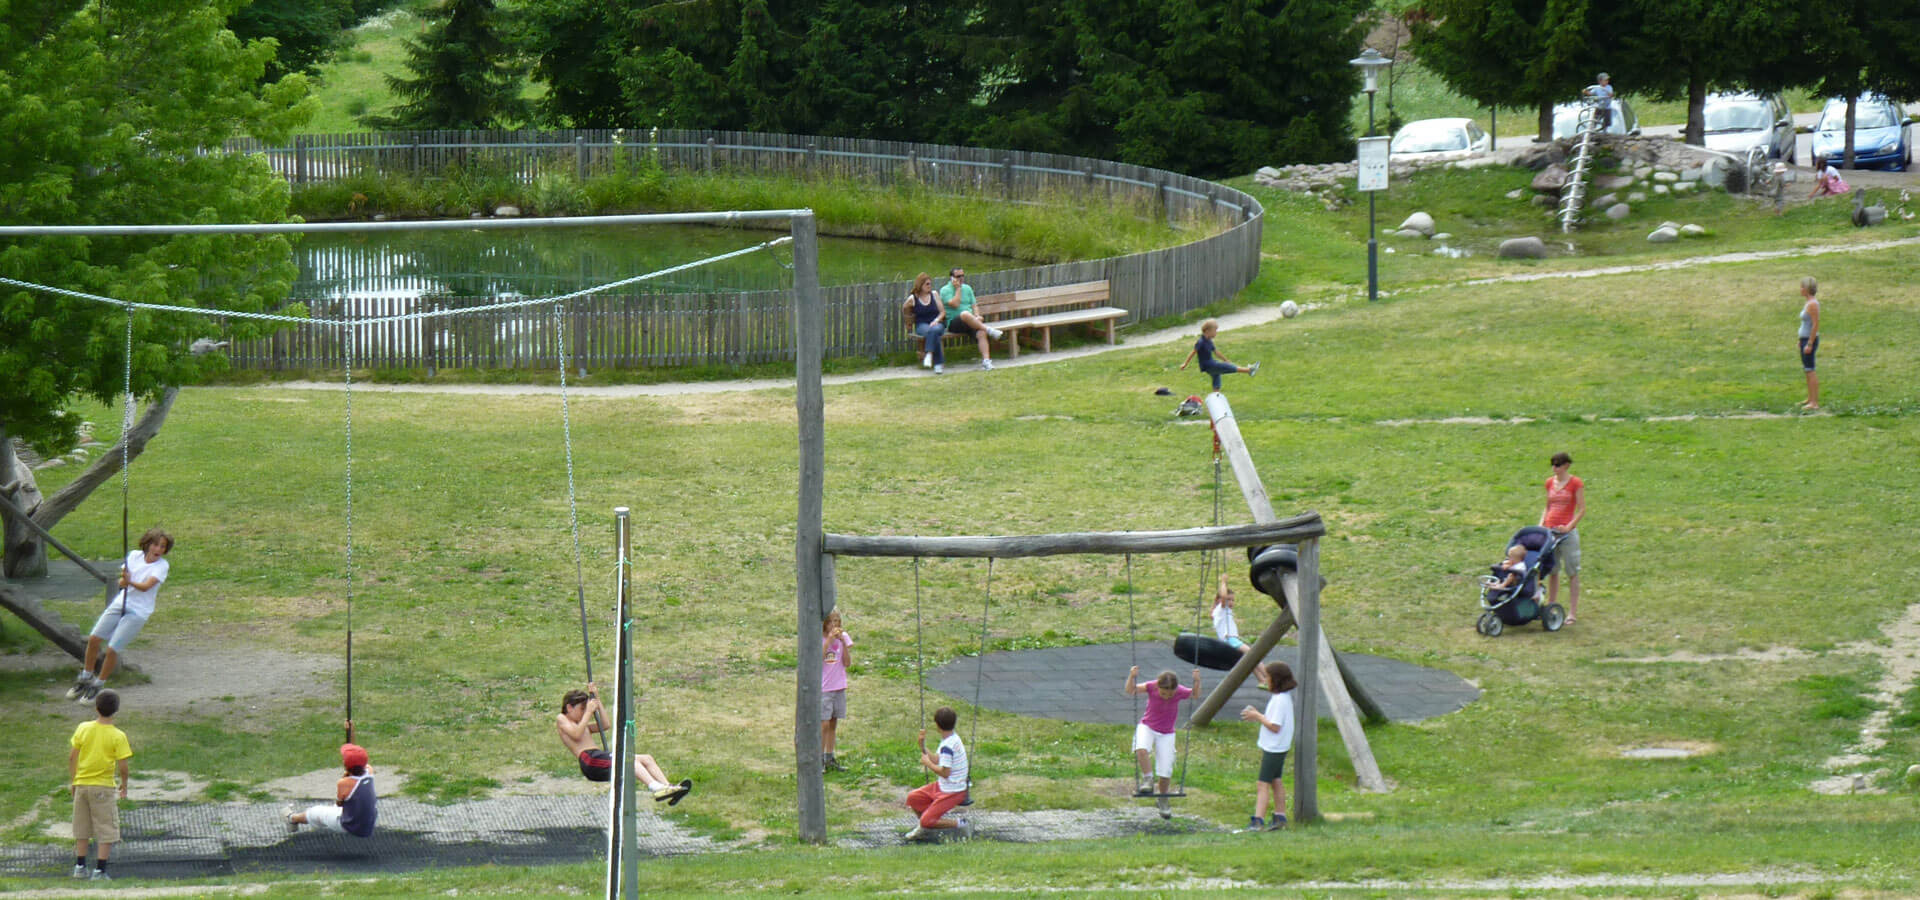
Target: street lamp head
{"x": 1371, "y": 62}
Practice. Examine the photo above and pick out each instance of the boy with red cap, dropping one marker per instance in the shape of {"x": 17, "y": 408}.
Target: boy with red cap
{"x": 353, "y": 809}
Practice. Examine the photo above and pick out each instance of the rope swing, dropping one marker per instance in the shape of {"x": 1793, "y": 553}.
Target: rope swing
{"x": 349, "y": 348}
{"x": 573, "y": 509}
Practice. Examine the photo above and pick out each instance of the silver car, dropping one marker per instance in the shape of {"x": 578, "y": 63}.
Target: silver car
{"x": 1738, "y": 122}
{"x": 1566, "y": 117}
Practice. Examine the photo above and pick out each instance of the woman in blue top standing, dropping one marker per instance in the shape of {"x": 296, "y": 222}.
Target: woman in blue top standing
{"x": 1810, "y": 337}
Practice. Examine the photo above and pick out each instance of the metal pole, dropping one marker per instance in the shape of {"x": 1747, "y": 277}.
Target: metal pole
{"x": 1373, "y": 243}
{"x": 623, "y": 845}
{"x": 809, "y": 326}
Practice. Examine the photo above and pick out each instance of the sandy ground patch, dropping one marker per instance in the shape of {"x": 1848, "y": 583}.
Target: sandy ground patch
{"x": 192, "y": 673}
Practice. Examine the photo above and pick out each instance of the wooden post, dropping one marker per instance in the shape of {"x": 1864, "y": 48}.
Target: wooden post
{"x": 1306, "y": 732}
{"x": 1339, "y": 701}
{"x": 809, "y": 571}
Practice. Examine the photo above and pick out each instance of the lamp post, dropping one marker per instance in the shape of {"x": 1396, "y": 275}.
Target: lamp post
{"x": 1370, "y": 62}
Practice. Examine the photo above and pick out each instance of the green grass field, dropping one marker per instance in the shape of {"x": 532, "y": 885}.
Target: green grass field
{"x": 1718, "y": 524}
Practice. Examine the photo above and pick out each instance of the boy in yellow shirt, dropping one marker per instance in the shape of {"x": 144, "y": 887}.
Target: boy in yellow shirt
{"x": 99, "y": 759}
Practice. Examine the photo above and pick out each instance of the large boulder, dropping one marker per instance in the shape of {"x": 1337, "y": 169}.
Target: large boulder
{"x": 1713, "y": 173}
{"x": 1551, "y": 178}
{"x": 1612, "y": 182}
{"x": 1665, "y": 234}
{"x": 1420, "y": 222}
{"x": 1539, "y": 155}
{"x": 1528, "y": 247}
{"x": 1692, "y": 230}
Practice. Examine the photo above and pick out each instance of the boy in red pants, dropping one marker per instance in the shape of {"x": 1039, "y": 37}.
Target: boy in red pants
{"x": 937, "y": 798}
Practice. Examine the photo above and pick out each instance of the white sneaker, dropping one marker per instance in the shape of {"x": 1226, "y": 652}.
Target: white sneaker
{"x": 994, "y": 333}
{"x": 286, "y": 812}
{"x": 915, "y": 834}
{"x": 1253, "y": 370}
{"x": 80, "y": 872}
{"x": 99, "y": 875}
{"x": 986, "y": 364}
{"x": 926, "y": 361}
{"x": 939, "y": 370}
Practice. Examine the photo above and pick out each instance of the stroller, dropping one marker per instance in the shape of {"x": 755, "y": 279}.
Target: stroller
{"x": 1523, "y": 602}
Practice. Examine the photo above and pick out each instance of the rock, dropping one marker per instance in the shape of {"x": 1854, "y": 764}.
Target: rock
{"x": 1665, "y": 177}
{"x": 1669, "y": 224}
{"x": 1410, "y": 233}
{"x": 1642, "y": 171}
{"x": 477, "y": 215}
{"x": 1618, "y": 211}
{"x": 1267, "y": 172}
{"x": 1551, "y": 178}
{"x": 1543, "y": 200}
{"x": 1913, "y": 777}
{"x": 1663, "y": 235}
{"x": 506, "y": 212}
{"x": 54, "y": 463}
{"x": 1605, "y": 200}
{"x": 1713, "y": 172}
{"x": 1685, "y": 187}
{"x": 1420, "y": 222}
{"x": 1516, "y": 193}
{"x": 1869, "y": 215}
{"x": 1692, "y": 173}
{"x": 1662, "y": 189}
{"x": 1692, "y": 230}
{"x": 1443, "y": 236}
{"x": 1613, "y": 182}
{"x": 1637, "y": 197}
{"x": 1523, "y": 248}
{"x": 1539, "y": 156}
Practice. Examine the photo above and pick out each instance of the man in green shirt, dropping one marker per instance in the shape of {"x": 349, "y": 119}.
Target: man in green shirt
{"x": 957, "y": 296}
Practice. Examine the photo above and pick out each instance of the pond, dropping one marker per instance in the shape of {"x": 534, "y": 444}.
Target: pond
{"x": 542, "y": 262}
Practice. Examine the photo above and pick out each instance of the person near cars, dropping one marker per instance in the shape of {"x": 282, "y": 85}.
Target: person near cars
{"x": 1826, "y": 179}
{"x": 1601, "y": 93}
{"x": 1810, "y": 337}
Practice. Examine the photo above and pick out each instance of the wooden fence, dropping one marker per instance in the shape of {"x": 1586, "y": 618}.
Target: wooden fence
{"x": 664, "y": 326}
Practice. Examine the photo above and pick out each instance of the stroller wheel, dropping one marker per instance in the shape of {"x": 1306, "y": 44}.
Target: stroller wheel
{"x": 1553, "y": 616}
{"x": 1488, "y": 625}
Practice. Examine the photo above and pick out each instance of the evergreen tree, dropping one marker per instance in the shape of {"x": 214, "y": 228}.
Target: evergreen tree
{"x": 307, "y": 32}
{"x": 1514, "y": 53}
{"x": 1682, "y": 49}
{"x": 1212, "y": 87}
{"x": 463, "y": 73}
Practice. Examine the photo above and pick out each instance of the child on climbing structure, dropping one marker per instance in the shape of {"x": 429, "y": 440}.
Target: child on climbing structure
{"x": 582, "y": 715}
{"x": 1204, "y": 349}
{"x": 99, "y": 758}
{"x": 1224, "y": 626}
{"x": 140, "y": 577}
{"x": 1276, "y": 735}
{"x": 933, "y": 800}
{"x": 1155, "y": 733}
{"x": 836, "y": 653}
{"x": 354, "y": 808}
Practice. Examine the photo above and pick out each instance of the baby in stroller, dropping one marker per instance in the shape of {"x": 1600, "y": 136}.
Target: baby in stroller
{"x": 1511, "y": 594}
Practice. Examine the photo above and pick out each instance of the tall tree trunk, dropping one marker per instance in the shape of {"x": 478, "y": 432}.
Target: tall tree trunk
{"x": 24, "y": 554}
{"x": 26, "y": 557}
{"x": 1847, "y": 157}
{"x": 1545, "y": 122}
{"x": 1696, "y": 109}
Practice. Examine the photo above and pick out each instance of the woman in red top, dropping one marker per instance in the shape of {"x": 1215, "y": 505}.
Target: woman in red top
{"x": 1566, "y": 504}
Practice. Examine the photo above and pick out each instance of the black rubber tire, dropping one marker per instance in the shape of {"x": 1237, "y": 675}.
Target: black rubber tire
{"x": 1494, "y": 625}
{"x": 1482, "y": 625}
{"x": 1553, "y": 616}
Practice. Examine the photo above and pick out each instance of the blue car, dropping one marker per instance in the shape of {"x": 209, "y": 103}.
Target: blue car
{"x": 1879, "y": 134}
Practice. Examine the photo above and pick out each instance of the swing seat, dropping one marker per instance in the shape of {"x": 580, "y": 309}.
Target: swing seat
{"x": 1204, "y": 651}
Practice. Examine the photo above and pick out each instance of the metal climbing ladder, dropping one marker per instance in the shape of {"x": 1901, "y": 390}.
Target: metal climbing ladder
{"x": 1573, "y": 195}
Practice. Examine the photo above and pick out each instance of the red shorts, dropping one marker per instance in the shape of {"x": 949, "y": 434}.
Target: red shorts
{"x": 932, "y": 803}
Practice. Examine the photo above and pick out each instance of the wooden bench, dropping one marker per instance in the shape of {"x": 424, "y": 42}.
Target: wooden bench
{"x": 1044, "y": 309}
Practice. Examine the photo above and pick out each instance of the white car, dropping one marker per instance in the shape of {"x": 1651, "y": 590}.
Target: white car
{"x": 1457, "y": 138}
{"x": 1738, "y": 122}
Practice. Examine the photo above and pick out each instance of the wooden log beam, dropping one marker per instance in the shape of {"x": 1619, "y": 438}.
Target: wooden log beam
{"x": 1296, "y": 528}
{"x": 21, "y": 516}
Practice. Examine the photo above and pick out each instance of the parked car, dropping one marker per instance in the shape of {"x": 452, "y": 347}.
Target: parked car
{"x": 1738, "y": 122}
{"x": 1566, "y": 117}
{"x": 1440, "y": 139}
{"x": 1879, "y": 133}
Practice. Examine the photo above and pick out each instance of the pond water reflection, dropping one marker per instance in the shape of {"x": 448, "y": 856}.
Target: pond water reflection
{"x": 544, "y": 262}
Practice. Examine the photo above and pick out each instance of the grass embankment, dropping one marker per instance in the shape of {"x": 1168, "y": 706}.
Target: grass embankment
{"x": 1712, "y": 535}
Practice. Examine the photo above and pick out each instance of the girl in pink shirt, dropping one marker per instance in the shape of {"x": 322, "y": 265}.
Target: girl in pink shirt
{"x": 836, "y": 653}
{"x": 1154, "y": 735}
